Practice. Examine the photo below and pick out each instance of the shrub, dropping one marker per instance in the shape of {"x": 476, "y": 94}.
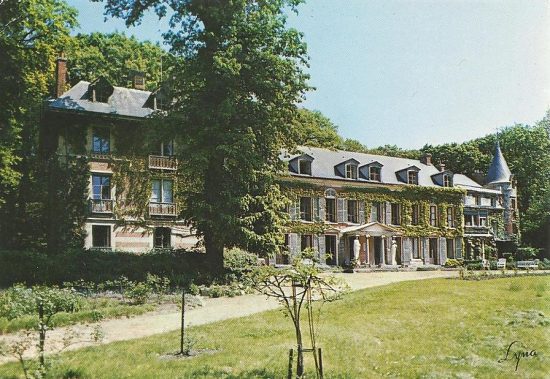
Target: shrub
{"x": 450, "y": 263}
{"x": 138, "y": 293}
{"x": 544, "y": 264}
{"x": 526, "y": 253}
{"x": 237, "y": 262}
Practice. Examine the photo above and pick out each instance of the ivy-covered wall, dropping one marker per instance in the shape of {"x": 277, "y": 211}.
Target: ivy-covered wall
{"x": 404, "y": 195}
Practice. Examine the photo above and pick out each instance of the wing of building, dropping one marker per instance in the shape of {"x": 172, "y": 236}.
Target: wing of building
{"x": 372, "y": 210}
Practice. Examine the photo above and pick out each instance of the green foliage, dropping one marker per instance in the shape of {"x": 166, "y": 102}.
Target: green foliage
{"x": 316, "y": 130}
{"x": 526, "y": 253}
{"x": 245, "y": 67}
{"x": 451, "y": 263}
{"x": 238, "y": 262}
{"x": 115, "y": 56}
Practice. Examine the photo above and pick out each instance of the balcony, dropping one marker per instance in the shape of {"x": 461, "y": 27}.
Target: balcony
{"x": 160, "y": 162}
{"x": 477, "y": 230}
{"x": 162, "y": 209}
{"x": 101, "y": 206}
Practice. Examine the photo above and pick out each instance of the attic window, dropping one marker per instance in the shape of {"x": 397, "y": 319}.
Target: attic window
{"x": 447, "y": 181}
{"x": 304, "y": 167}
{"x": 351, "y": 171}
{"x": 101, "y": 96}
{"x": 412, "y": 177}
{"x": 374, "y": 173}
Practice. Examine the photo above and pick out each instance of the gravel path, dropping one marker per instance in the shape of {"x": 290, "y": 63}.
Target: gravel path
{"x": 211, "y": 311}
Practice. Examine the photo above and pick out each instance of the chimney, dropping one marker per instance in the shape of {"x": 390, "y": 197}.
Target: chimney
{"x": 60, "y": 75}
{"x": 426, "y": 159}
{"x": 441, "y": 167}
{"x": 138, "y": 80}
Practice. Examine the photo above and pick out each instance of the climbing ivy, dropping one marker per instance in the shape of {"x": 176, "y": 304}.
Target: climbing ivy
{"x": 406, "y": 196}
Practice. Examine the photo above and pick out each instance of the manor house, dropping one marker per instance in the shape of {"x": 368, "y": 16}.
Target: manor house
{"x": 352, "y": 208}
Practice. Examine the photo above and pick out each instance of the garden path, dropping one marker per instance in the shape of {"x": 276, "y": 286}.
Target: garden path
{"x": 213, "y": 310}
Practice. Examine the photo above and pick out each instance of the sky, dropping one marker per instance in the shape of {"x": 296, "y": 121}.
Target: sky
{"x": 410, "y": 73}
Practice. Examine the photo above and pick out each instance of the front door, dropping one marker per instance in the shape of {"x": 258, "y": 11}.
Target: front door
{"x": 378, "y": 250}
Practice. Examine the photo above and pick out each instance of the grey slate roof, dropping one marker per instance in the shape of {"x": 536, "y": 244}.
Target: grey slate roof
{"x": 462, "y": 181}
{"x": 498, "y": 170}
{"x": 123, "y": 101}
{"x": 324, "y": 161}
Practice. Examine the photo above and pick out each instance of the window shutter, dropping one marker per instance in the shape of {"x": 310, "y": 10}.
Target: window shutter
{"x": 340, "y": 205}
{"x": 293, "y": 210}
{"x": 387, "y": 219}
{"x": 322, "y": 209}
{"x": 322, "y": 247}
{"x": 425, "y": 250}
{"x": 345, "y": 210}
{"x": 361, "y": 212}
{"x": 293, "y": 246}
{"x": 442, "y": 251}
{"x": 373, "y": 212}
{"x": 341, "y": 251}
{"x": 458, "y": 248}
{"x": 407, "y": 251}
{"x": 316, "y": 209}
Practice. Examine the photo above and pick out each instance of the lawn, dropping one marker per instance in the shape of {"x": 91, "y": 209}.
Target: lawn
{"x": 421, "y": 329}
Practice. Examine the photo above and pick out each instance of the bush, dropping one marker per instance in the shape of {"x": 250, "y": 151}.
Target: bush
{"x": 138, "y": 293}
{"x": 237, "y": 262}
{"x": 451, "y": 263}
{"x": 99, "y": 266}
{"x": 544, "y": 264}
{"x": 526, "y": 253}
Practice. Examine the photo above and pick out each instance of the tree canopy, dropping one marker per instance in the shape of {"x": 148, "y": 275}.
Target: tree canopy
{"x": 236, "y": 99}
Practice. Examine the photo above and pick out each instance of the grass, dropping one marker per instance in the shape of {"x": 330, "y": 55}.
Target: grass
{"x": 421, "y": 329}
{"x": 93, "y": 309}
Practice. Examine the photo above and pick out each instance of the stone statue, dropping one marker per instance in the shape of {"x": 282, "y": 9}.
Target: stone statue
{"x": 393, "y": 252}
{"x": 356, "y": 249}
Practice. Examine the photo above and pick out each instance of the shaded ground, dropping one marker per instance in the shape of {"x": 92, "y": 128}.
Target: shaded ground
{"x": 215, "y": 309}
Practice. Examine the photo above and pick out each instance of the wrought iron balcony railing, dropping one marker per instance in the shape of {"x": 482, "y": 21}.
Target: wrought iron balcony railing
{"x": 162, "y": 209}
{"x": 162, "y": 162}
{"x": 103, "y": 206}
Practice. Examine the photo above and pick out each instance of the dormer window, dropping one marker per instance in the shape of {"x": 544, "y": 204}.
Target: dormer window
{"x": 374, "y": 173}
{"x": 100, "y": 90}
{"x": 304, "y": 167}
{"x": 412, "y": 177}
{"x": 447, "y": 181}
{"x": 351, "y": 171}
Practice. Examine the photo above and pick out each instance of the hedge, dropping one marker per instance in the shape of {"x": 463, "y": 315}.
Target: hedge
{"x": 99, "y": 266}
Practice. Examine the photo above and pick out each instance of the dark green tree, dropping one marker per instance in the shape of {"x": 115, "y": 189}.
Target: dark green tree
{"x": 316, "y": 130}
{"x": 115, "y": 56}
{"x": 31, "y": 33}
{"x": 236, "y": 101}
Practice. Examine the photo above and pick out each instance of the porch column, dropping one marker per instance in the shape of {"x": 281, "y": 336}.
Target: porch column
{"x": 383, "y": 250}
{"x": 367, "y": 237}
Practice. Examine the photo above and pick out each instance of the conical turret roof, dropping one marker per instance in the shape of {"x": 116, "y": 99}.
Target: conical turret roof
{"x": 498, "y": 170}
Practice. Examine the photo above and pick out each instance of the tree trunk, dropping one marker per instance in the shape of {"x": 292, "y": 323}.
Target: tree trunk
{"x": 300, "y": 356}
{"x": 214, "y": 254}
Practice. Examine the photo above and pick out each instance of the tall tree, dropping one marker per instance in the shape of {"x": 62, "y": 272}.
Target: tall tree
{"x": 316, "y": 130}
{"x": 237, "y": 96}
{"x": 114, "y": 56}
{"x": 31, "y": 33}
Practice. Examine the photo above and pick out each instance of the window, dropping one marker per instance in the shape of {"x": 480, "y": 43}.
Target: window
{"x": 305, "y": 209}
{"x": 450, "y": 248}
{"x": 330, "y": 210}
{"x": 351, "y": 171}
{"x": 101, "y": 187}
{"x": 432, "y": 247}
{"x": 482, "y": 221}
{"x": 162, "y": 238}
{"x": 330, "y": 249}
{"x": 478, "y": 199}
{"x": 101, "y": 236}
{"x": 167, "y": 148}
{"x": 395, "y": 214}
{"x": 283, "y": 257}
{"x": 377, "y": 212}
{"x": 446, "y": 180}
{"x": 412, "y": 177}
{"x": 469, "y": 220}
{"x": 162, "y": 191}
{"x": 374, "y": 173}
{"x": 353, "y": 211}
{"x": 433, "y": 215}
{"x": 307, "y": 241}
{"x": 415, "y": 216}
{"x": 304, "y": 167}
{"x": 416, "y": 247}
{"x": 450, "y": 217}
{"x": 100, "y": 140}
